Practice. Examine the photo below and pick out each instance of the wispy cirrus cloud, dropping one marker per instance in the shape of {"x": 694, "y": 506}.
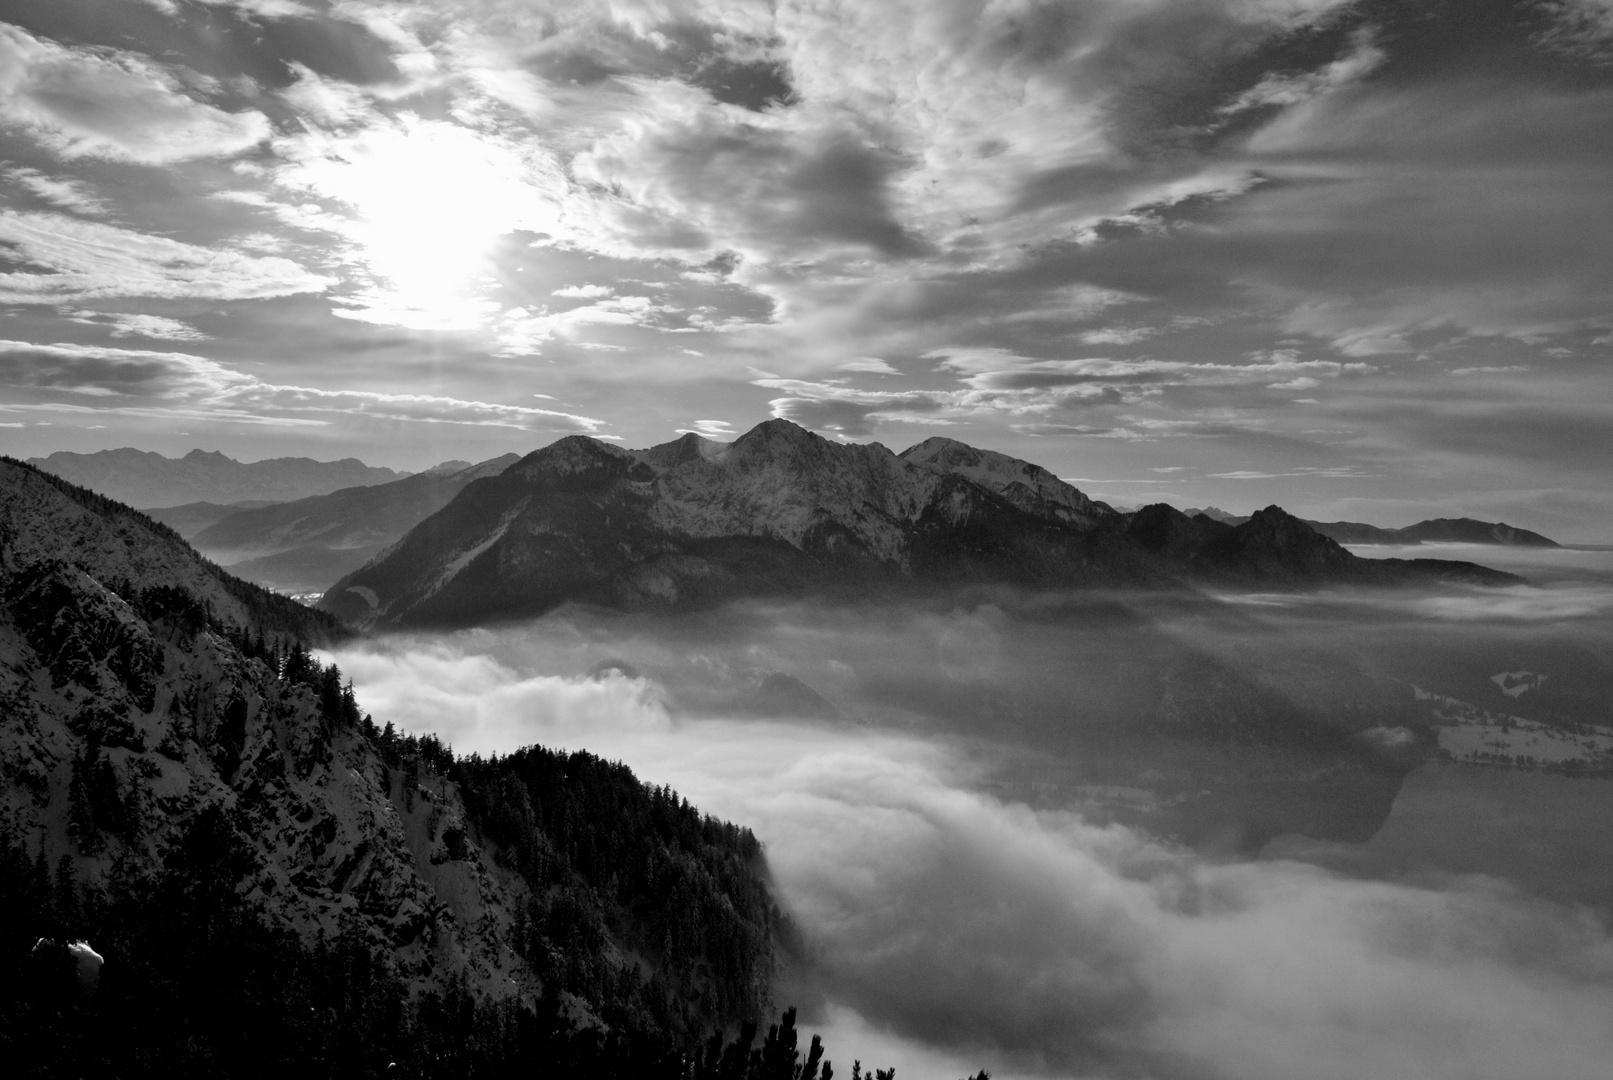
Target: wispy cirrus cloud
{"x": 112, "y": 104}
{"x": 101, "y": 370}
{"x": 154, "y": 327}
{"x": 153, "y": 383}
{"x": 79, "y": 260}
{"x": 62, "y": 191}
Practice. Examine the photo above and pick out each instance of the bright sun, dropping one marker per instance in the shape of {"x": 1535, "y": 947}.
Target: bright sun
{"x": 430, "y": 199}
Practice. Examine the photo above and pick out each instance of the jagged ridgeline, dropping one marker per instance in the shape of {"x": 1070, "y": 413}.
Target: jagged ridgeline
{"x": 282, "y": 887}
{"x": 784, "y": 512}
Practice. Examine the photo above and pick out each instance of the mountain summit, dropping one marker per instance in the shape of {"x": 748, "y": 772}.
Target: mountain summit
{"x": 782, "y": 511}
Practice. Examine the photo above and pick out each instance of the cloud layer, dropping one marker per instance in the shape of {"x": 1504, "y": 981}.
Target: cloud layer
{"x": 953, "y": 929}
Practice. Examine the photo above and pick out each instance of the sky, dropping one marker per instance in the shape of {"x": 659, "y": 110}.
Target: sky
{"x": 1349, "y": 256}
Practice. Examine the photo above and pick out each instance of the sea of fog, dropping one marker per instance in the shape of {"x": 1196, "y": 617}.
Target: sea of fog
{"x": 948, "y": 925}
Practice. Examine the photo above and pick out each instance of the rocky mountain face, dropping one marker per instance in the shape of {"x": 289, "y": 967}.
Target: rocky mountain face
{"x": 143, "y": 478}
{"x": 307, "y": 544}
{"x": 170, "y": 750}
{"x": 781, "y": 511}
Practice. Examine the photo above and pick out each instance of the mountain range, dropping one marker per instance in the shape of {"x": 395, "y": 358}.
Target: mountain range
{"x": 782, "y": 511}
{"x": 146, "y": 479}
{"x": 1431, "y": 531}
{"x": 303, "y": 545}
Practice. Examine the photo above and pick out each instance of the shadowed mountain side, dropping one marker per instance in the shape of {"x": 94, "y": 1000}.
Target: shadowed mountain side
{"x": 1274, "y": 548}
{"x": 188, "y": 519}
{"x": 44, "y": 519}
{"x": 781, "y": 511}
{"x": 253, "y": 838}
{"x": 304, "y": 570}
{"x": 1469, "y": 531}
{"x": 307, "y": 544}
{"x": 1434, "y": 530}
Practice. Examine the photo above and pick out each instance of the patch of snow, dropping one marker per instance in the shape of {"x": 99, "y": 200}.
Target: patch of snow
{"x": 1515, "y": 684}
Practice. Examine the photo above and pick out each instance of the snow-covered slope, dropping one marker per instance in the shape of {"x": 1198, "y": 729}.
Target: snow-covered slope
{"x": 123, "y": 725}
{"x": 1029, "y": 487}
{"x": 150, "y": 705}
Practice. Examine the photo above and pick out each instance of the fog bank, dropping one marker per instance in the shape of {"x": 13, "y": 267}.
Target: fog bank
{"x": 950, "y": 929}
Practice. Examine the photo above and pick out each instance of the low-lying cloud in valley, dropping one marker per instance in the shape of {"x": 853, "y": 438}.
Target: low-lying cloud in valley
{"x": 947, "y": 924}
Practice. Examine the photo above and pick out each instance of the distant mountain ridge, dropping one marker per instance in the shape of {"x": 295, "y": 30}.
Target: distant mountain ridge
{"x": 188, "y": 519}
{"x": 1432, "y": 531}
{"x": 148, "y": 479}
{"x": 782, "y": 511}
{"x": 306, "y": 544}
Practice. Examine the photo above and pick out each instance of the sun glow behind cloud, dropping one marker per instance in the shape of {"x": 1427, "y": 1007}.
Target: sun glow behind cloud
{"x": 425, "y": 202}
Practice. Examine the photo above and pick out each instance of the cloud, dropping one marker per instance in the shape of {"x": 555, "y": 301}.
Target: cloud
{"x": 97, "y": 370}
{"x": 83, "y": 260}
{"x": 156, "y": 327}
{"x": 870, "y": 365}
{"x": 852, "y": 412}
{"x": 695, "y": 182}
{"x": 990, "y": 372}
{"x": 328, "y": 103}
{"x": 1041, "y": 395}
{"x": 1581, "y": 28}
{"x": 710, "y": 429}
{"x": 112, "y": 104}
{"x": 1287, "y": 89}
{"x": 1503, "y": 369}
{"x": 585, "y": 292}
{"x": 1034, "y": 942}
{"x": 422, "y": 204}
{"x": 63, "y": 191}
{"x": 200, "y": 388}
{"x": 420, "y": 408}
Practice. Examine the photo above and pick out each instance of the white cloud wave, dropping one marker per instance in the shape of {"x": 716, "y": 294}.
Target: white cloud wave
{"x": 112, "y": 104}
{"x": 984, "y": 933}
{"x": 84, "y": 260}
{"x": 202, "y": 388}
{"x": 63, "y": 191}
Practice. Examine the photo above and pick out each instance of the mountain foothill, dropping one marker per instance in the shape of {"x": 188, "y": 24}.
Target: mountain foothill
{"x": 283, "y": 883}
